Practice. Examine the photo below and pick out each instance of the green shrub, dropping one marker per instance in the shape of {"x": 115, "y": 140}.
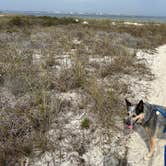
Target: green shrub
{"x": 85, "y": 123}
{"x": 19, "y": 21}
{"x": 51, "y": 21}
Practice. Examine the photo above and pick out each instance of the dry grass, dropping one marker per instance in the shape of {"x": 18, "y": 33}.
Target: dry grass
{"x": 72, "y": 78}
{"x": 152, "y": 34}
{"x": 125, "y": 63}
{"x": 24, "y": 126}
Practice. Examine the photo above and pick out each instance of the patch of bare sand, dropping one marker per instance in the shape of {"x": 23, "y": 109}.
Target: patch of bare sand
{"x": 133, "y": 23}
{"x": 138, "y": 144}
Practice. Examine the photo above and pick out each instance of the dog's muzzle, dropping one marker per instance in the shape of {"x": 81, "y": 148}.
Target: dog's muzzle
{"x": 129, "y": 123}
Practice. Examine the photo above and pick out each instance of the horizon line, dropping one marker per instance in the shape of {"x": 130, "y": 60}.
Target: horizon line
{"x": 82, "y": 13}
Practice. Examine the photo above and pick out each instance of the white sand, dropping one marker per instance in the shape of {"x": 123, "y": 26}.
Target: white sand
{"x": 157, "y": 95}
{"x": 133, "y": 23}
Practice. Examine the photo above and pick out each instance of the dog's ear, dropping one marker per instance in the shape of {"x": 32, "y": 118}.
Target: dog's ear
{"x": 140, "y": 107}
{"x": 127, "y": 103}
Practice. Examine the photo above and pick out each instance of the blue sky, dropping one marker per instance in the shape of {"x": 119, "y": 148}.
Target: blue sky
{"x": 129, "y": 7}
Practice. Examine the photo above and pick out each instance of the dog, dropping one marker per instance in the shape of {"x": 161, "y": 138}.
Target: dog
{"x": 145, "y": 114}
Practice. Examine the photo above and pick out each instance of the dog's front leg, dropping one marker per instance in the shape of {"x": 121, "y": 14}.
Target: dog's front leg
{"x": 152, "y": 143}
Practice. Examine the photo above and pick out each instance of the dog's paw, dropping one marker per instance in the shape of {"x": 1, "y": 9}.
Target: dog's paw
{"x": 148, "y": 156}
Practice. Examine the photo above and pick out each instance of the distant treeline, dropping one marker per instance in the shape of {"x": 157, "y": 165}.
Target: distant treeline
{"x": 33, "y": 20}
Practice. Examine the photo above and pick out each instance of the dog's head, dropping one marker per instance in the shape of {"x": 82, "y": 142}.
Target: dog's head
{"x": 135, "y": 113}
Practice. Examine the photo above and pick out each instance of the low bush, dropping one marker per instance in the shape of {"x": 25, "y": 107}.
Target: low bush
{"x": 85, "y": 123}
{"x": 19, "y": 21}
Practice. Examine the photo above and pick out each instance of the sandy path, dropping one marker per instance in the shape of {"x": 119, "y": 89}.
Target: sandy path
{"x": 157, "y": 95}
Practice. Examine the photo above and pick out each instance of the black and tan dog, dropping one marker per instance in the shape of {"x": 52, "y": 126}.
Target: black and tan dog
{"x": 146, "y": 115}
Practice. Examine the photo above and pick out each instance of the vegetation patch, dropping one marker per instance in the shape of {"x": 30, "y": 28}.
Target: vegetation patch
{"x": 85, "y": 123}
{"x": 43, "y": 57}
